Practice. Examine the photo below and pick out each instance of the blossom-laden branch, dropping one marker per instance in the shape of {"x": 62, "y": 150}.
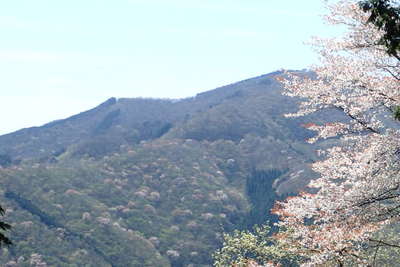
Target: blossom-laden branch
{"x": 358, "y": 191}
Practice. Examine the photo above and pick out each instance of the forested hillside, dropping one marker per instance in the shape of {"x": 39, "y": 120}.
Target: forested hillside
{"x": 153, "y": 182}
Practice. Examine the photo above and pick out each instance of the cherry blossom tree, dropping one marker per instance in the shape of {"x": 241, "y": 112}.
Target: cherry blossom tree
{"x": 350, "y": 214}
{"x": 358, "y": 191}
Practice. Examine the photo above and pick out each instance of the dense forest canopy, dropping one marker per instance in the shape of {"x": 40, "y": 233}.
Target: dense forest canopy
{"x": 150, "y": 182}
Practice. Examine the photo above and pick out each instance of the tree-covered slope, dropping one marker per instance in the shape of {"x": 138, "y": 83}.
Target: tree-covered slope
{"x": 150, "y": 182}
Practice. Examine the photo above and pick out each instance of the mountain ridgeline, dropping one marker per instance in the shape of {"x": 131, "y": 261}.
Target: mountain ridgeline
{"x": 153, "y": 182}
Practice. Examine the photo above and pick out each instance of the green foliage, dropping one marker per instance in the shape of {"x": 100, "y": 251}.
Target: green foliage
{"x": 385, "y": 15}
{"x": 262, "y": 196}
{"x": 396, "y": 113}
{"x": 5, "y": 160}
{"x": 383, "y": 250}
{"x": 29, "y": 206}
{"x": 97, "y": 147}
{"x": 242, "y": 247}
{"x": 153, "y": 129}
{"x": 4, "y": 240}
{"x": 106, "y": 123}
{"x": 167, "y": 191}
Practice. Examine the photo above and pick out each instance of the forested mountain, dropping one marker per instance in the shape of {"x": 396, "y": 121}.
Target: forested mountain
{"x": 153, "y": 182}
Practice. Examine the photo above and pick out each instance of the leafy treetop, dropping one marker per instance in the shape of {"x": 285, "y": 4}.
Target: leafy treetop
{"x": 385, "y": 14}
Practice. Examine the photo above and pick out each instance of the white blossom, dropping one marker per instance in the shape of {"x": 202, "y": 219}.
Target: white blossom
{"x": 358, "y": 191}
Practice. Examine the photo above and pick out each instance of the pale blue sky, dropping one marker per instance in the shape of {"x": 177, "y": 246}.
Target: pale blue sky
{"x": 61, "y": 57}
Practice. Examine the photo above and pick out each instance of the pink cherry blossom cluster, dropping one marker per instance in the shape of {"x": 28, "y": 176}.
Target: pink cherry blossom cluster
{"x": 358, "y": 191}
